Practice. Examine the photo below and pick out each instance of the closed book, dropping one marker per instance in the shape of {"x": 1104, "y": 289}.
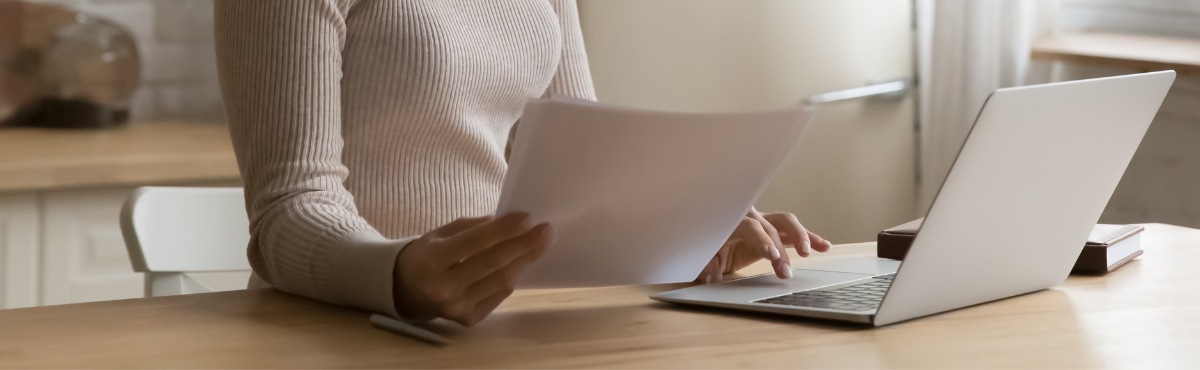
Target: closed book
{"x": 1108, "y": 247}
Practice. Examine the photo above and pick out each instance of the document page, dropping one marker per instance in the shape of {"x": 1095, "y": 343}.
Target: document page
{"x": 638, "y": 197}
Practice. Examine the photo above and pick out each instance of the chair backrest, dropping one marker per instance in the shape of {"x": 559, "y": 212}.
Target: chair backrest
{"x": 174, "y": 230}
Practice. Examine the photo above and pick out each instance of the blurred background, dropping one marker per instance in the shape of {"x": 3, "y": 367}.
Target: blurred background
{"x": 870, "y": 161}
{"x": 178, "y": 79}
{"x": 875, "y": 162}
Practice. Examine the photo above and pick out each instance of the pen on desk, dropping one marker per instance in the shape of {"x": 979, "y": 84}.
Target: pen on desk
{"x": 408, "y": 330}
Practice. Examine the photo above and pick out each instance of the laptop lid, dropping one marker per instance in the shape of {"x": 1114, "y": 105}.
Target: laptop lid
{"x": 1032, "y": 178}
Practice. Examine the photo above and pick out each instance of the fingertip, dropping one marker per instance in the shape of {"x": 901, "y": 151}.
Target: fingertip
{"x": 549, "y": 234}
{"x": 783, "y": 270}
{"x": 828, "y": 244}
{"x": 824, "y": 246}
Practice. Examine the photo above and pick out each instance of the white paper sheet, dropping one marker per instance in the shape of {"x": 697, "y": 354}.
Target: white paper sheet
{"x": 638, "y": 197}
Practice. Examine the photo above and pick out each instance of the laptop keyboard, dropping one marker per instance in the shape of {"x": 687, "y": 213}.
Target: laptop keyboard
{"x": 865, "y": 296}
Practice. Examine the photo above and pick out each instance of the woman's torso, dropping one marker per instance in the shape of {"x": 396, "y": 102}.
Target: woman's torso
{"x": 430, "y": 90}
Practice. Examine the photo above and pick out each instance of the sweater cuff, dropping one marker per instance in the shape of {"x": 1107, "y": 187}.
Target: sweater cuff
{"x": 358, "y": 270}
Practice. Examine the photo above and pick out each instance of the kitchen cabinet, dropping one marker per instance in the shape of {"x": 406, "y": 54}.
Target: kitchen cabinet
{"x": 83, "y": 254}
{"x": 19, "y": 262}
{"x": 61, "y": 194}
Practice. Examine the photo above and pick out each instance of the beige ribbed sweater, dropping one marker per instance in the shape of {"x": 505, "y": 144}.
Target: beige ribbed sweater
{"x": 361, "y": 124}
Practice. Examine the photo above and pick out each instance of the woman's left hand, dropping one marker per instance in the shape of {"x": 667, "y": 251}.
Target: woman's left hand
{"x": 763, "y": 235}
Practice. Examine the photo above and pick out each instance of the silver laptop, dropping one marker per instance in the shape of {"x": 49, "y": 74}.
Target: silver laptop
{"x": 1029, "y": 183}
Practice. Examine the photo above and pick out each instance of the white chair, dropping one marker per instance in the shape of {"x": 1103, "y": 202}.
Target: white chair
{"x": 174, "y": 231}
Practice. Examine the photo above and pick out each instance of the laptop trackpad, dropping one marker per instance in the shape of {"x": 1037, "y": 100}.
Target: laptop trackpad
{"x": 870, "y": 265}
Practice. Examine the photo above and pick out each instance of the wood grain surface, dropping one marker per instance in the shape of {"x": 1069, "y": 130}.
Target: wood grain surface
{"x": 1141, "y": 316}
{"x": 137, "y": 154}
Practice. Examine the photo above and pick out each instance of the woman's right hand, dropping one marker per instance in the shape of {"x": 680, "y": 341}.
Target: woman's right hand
{"x": 463, "y": 270}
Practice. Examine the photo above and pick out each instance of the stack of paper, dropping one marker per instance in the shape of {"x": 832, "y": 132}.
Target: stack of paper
{"x": 639, "y": 197}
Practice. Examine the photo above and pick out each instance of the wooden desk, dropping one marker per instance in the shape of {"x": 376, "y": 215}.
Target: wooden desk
{"x": 1144, "y": 53}
{"x": 1142, "y": 316}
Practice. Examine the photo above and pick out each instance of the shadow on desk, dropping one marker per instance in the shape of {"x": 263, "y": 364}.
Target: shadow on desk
{"x": 641, "y": 332}
{"x": 775, "y": 319}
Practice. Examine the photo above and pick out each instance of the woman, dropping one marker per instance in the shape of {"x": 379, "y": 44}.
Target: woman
{"x": 370, "y": 135}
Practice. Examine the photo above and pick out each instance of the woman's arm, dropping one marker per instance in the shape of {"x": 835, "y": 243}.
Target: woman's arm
{"x": 280, "y": 69}
{"x": 573, "y": 77}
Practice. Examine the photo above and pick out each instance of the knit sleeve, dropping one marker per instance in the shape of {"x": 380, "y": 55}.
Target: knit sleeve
{"x": 280, "y": 70}
{"x": 573, "y": 78}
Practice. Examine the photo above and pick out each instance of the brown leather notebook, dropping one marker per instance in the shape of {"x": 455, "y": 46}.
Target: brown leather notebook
{"x": 1108, "y": 247}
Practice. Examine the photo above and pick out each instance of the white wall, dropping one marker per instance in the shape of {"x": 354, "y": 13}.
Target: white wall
{"x": 175, "y": 38}
{"x": 1163, "y": 180}
{"x": 852, "y": 172}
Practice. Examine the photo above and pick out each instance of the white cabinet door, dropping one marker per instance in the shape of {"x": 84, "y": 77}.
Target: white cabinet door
{"x": 84, "y": 254}
{"x": 19, "y": 219}
{"x": 852, "y": 173}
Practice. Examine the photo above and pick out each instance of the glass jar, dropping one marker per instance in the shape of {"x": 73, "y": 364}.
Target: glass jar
{"x": 89, "y": 72}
